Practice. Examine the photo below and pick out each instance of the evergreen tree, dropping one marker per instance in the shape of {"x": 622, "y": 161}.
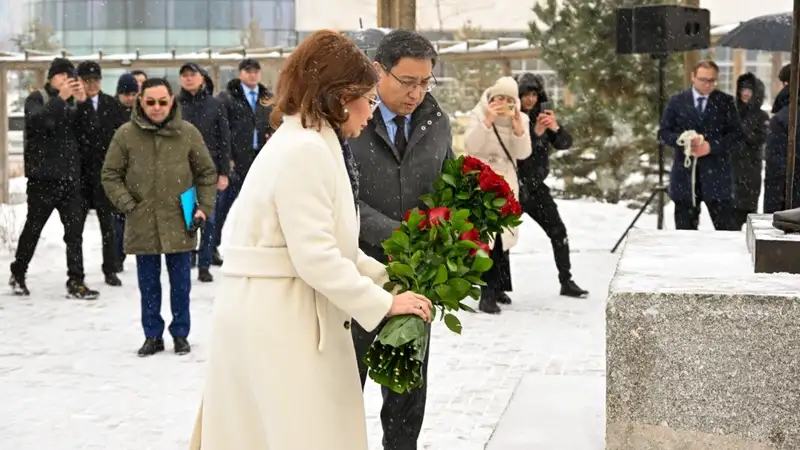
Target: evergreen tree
{"x": 614, "y": 120}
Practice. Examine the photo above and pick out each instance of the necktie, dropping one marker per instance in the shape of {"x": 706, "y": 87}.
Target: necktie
{"x": 253, "y": 100}
{"x": 400, "y": 135}
{"x": 700, "y": 101}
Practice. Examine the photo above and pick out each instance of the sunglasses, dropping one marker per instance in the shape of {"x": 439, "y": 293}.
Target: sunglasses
{"x": 152, "y": 102}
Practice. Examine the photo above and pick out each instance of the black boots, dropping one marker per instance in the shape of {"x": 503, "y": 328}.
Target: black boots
{"x": 787, "y": 221}
{"x": 488, "y": 302}
{"x": 77, "y": 289}
{"x": 153, "y": 345}
{"x": 570, "y": 289}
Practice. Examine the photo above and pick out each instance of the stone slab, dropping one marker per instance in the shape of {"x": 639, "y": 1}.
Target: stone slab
{"x": 772, "y": 250}
{"x": 702, "y": 353}
{"x": 553, "y": 412}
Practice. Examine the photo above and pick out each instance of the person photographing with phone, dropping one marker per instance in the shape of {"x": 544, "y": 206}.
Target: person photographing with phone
{"x": 498, "y": 133}
{"x": 537, "y": 200}
{"x": 53, "y": 168}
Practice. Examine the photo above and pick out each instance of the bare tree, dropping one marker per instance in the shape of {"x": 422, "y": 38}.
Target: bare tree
{"x": 36, "y": 37}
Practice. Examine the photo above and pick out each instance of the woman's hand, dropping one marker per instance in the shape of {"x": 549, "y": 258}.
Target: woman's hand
{"x": 493, "y": 111}
{"x": 516, "y": 123}
{"x": 411, "y": 303}
{"x": 541, "y": 124}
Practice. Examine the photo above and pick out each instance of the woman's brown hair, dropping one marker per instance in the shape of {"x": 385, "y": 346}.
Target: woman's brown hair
{"x": 325, "y": 71}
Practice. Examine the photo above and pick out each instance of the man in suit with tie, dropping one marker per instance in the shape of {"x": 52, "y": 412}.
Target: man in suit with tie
{"x": 400, "y": 155}
{"x": 99, "y": 118}
{"x": 708, "y": 176}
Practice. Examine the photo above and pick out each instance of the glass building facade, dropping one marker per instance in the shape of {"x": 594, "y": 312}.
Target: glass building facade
{"x": 154, "y": 26}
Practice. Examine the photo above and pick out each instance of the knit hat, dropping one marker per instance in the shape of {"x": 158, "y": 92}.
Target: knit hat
{"x": 504, "y": 86}
{"x": 60, "y": 65}
{"x": 127, "y": 84}
{"x": 785, "y": 73}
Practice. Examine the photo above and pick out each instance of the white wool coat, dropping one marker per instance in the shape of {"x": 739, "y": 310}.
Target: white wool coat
{"x": 282, "y": 371}
{"x": 482, "y": 143}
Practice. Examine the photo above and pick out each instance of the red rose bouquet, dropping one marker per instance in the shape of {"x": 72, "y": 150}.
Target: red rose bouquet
{"x": 440, "y": 253}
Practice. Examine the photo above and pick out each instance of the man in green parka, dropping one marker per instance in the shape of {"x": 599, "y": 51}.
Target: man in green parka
{"x": 151, "y": 161}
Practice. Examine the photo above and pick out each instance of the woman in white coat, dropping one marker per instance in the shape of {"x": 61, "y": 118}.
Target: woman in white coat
{"x": 498, "y": 134}
{"x": 282, "y": 373}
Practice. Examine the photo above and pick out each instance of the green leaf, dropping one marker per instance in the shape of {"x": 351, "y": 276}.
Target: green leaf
{"x": 445, "y": 293}
{"x": 427, "y": 199}
{"x": 499, "y": 202}
{"x": 401, "y": 239}
{"x": 428, "y": 274}
{"x": 475, "y": 292}
{"x": 401, "y": 269}
{"x": 462, "y": 196}
{"x": 447, "y": 196}
{"x": 389, "y": 286}
{"x": 467, "y": 244}
{"x": 466, "y": 307}
{"x": 441, "y": 275}
{"x": 436, "y": 259}
{"x": 461, "y": 215}
{"x": 416, "y": 258}
{"x": 449, "y": 179}
{"x": 475, "y": 280}
{"x": 481, "y": 263}
{"x": 461, "y": 287}
{"x": 400, "y": 330}
{"x": 451, "y": 265}
{"x": 452, "y": 323}
{"x": 461, "y": 270}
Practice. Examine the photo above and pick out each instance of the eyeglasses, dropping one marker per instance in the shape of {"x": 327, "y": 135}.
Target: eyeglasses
{"x": 373, "y": 103}
{"x": 707, "y": 80}
{"x": 427, "y": 85}
{"x": 152, "y": 102}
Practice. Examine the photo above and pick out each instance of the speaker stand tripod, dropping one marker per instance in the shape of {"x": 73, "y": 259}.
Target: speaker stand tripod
{"x": 660, "y": 190}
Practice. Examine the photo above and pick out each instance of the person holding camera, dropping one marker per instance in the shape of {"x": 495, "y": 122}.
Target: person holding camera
{"x": 498, "y": 134}
{"x": 53, "y": 168}
{"x": 151, "y": 162}
{"x": 537, "y": 200}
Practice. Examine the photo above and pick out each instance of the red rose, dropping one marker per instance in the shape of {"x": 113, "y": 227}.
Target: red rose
{"x": 423, "y": 224}
{"x": 471, "y": 235}
{"x": 489, "y": 181}
{"x": 511, "y": 207}
{"x": 472, "y": 164}
{"x": 481, "y": 246}
{"x": 438, "y": 214}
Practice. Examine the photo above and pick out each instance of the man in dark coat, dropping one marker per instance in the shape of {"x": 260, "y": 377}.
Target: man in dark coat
{"x": 99, "y": 118}
{"x": 53, "y": 168}
{"x": 537, "y": 200}
{"x": 245, "y": 101}
{"x": 775, "y": 167}
{"x": 401, "y": 154}
{"x": 207, "y": 114}
{"x": 712, "y": 115}
{"x": 782, "y": 98}
{"x": 747, "y": 161}
{"x": 127, "y": 89}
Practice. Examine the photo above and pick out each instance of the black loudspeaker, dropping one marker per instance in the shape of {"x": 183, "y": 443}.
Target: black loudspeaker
{"x": 658, "y": 29}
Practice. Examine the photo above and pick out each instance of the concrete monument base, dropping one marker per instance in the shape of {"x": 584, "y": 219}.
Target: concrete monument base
{"x": 772, "y": 250}
{"x": 702, "y": 353}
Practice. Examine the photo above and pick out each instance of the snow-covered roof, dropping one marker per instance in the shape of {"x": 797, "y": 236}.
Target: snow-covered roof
{"x": 479, "y": 49}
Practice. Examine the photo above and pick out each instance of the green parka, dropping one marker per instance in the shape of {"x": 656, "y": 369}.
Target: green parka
{"x": 146, "y": 169}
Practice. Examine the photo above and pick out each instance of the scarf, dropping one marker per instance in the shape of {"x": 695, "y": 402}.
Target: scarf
{"x": 351, "y": 165}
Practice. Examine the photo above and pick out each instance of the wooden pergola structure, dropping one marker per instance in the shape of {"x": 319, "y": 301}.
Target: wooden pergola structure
{"x": 503, "y": 50}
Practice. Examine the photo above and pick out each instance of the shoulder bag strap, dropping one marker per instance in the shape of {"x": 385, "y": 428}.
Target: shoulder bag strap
{"x": 502, "y": 144}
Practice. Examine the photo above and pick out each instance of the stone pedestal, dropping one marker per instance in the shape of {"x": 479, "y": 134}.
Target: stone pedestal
{"x": 702, "y": 353}
{"x": 772, "y": 250}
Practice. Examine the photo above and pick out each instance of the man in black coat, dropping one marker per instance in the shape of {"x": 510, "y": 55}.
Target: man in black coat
{"x": 245, "y": 101}
{"x": 537, "y": 200}
{"x": 709, "y": 178}
{"x": 401, "y": 153}
{"x": 207, "y": 114}
{"x": 782, "y": 97}
{"x": 775, "y": 167}
{"x": 99, "y": 118}
{"x": 53, "y": 168}
{"x": 747, "y": 161}
{"x": 127, "y": 90}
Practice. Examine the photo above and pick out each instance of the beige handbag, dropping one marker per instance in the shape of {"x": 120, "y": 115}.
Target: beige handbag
{"x": 197, "y": 434}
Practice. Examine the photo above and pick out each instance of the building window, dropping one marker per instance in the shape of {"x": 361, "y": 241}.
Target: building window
{"x": 188, "y": 14}
{"x": 147, "y": 14}
{"x": 221, "y": 17}
{"x": 76, "y": 16}
{"x": 108, "y": 14}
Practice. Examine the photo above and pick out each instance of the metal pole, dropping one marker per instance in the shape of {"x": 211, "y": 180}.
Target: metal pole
{"x": 793, "y": 87}
{"x": 5, "y": 196}
{"x": 662, "y": 62}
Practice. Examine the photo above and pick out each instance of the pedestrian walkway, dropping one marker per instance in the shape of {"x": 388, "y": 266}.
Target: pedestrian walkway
{"x": 70, "y": 378}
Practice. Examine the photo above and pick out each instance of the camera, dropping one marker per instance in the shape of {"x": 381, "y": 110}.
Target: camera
{"x": 545, "y": 106}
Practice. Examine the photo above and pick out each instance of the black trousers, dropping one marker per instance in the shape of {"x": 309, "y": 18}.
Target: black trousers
{"x": 43, "y": 198}
{"x": 541, "y": 207}
{"x": 401, "y": 414}
{"x": 105, "y": 215}
{"x": 498, "y": 277}
{"x": 687, "y": 217}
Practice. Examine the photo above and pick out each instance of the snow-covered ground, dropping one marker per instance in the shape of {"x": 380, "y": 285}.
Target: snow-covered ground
{"x": 70, "y": 378}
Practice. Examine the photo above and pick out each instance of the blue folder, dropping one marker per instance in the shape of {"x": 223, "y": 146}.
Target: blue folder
{"x": 188, "y": 206}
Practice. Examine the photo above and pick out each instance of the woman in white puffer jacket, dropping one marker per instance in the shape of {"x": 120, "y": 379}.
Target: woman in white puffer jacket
{"x": 498, "y": 134}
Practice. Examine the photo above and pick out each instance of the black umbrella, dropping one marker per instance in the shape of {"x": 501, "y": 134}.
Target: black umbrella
{"x": 368, "y": 39}
{"x": 770, "y": 33}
